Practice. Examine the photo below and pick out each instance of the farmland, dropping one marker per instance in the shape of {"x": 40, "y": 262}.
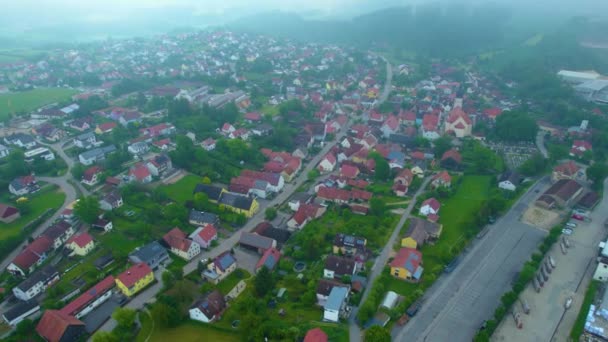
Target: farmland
{"x": 22, "y": 102}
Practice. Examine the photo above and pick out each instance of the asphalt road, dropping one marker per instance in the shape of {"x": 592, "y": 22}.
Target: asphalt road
{"x": 354, "y": 331}
{"x": 456, "y": 305}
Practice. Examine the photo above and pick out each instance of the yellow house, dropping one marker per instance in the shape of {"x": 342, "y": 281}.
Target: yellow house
{"x": 407, "y": 265}
{"x": 81, "y": 244}
{"x": 409, "y": 242}
{"x": 134, "y": 279}
{"x": 239, "y": 204}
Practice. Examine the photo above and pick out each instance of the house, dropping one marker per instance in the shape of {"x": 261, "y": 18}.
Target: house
{"x": 204, "y": 235}
{"x": 91, "y": 298}
{"x": 270, "y": 259}
{"x": 20, "y": 312}
{"x": 239, "y": 204}
{"x": 336, "y": 267}
{"x": 162, "y": 129}
{"x": 201, "y": 218}
{"x": 55, "y": 326}
{"x": 430, "y": 126}
{"x": 22, "y": 186}
{"x": 492, "y": 113}
{"x": 256, "y": 242}
{"x": 509, "y": 180}
{"x": 180, "y": 245}
{"x": 430, "y": 206}
{"x": 451, "y": 159}
{"x": 130, "y": 117}
{"x": 315, "y": 335}
{"x": 91, "y": 175}
{"x": 297, "y": 199}
{"x": 81, "y": 124}
{"x": 262, "y": 130}
{"x": 81, "y": 244}
{"x": 159, "y": 165}
{"x": 266, "y": 229}
{"x": 152, "y": 254}
{"x": 8, "y": 213}
{"x": 348, "y": 244}
{"x": 442, "y": 179}
{"x": 134, "y": 279}
{"x": 349, "y": 171}
{"x": 333, "y": 195}
{"x": 562, "y": 194}
{"x": 138, "y": 148}
{"x": 20, "y": 139}
{"x": 568, "y": 170}
{"x": 214, "y": 193}
{"x": 253, "y": 117}
{"x": 390, "y": 126}
{"x": 418, "y": 171}
{"x": 419, "y": 232}
{"x": 327, "y": 164}
{"x": 208, "y": 144}
{"x": 105, "y": 128}
{"x": 59, "y": 232}
{"x": 86, "y": 140}
{"x": 103, "y": 224}
{"x": 220, "y": 267}
{"x": 458, "y": 123}
{"x": 31, "y": 256}
{"x": 228, "y": 129}
{"x": 335, "y": 304}
{"x": 36, "y": 283}
{"x": 163, "y": 144}
{"x": 4, "y": 151}
{"x": 407, "y": 265}
{"x": 324, "y": 288}
{"x": 140, "y": 173}
{"x": 208, "y": 309}
{"x": 579, "y": 147}
{"x": 95, "y": 155}
{"x": 588, "y": 201}
{"x": 304, "y": 214}
{"x": 111, "y": 200}
{"x": 275, "y": 180}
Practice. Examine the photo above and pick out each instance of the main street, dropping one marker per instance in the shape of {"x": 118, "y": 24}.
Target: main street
{"x": 457, "y": 304}
{"x": 354, "y": 331}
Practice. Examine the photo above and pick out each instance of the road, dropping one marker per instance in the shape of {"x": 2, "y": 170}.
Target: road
{"x": 456, "y": 305}
{"x": 540, "y": 143}
{"x": 354, "y": 331}
{"x": 548, "y": 320}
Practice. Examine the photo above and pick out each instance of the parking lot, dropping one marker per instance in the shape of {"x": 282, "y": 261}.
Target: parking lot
{"x": 548, "y": 319}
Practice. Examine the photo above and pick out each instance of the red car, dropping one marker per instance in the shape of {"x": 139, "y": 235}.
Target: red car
{"x": 578, "y": 217}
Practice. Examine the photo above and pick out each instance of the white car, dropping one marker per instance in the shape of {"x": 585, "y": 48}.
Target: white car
{"x": 571, "y": 225}
{"x": 567, "y": 231}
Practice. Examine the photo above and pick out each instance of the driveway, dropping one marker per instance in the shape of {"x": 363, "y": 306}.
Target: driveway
{"x": 456, "y": 305}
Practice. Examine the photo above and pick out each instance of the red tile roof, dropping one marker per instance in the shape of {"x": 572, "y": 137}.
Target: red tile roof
{"x": 349, "y": 171}
{"x": 208, "y": 232}
{"x": 136, "y": 272}
{"x": 108, "y": 126}
{"x": 54, "y": 323}
{"x": 568, "y": 168}
{"x": 408, "y": 258}
{"x": 253, "y": 116}
{"x": 452, "y": 154}
{"x": 275, "y": 253}
{"x": 175, "y": 238}
{"x": 430, "y": 122}
{"x": 140, "y": 172}
{"x": 90, "y": 172}
{"x": 444, "y": 176}
{"x": 458, "y": 113}
{"x": 492, "y": 112}
{"x": 81, "y": 240}
{"x": 89, "y": 296}
{"x": 333, "y": 194}
{"x": 315, "y": 335}
{"x": 433, "y": 203}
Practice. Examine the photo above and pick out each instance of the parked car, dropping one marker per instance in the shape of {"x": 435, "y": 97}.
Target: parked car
{"x": 578, "y": 217}
{"x": 571, "y": 224}
{"x": 567, "y": 231}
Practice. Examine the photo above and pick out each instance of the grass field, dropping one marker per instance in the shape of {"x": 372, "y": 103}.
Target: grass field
{"x": 30, "y": 100}
{"x": 16, "y": 55}
{"x": 230, "y": 282}
{"x": 187, "y": 332}
{"x": 270, "y": 110}
{"x": 49, "y": 198}
{"x": 181, "y": 191}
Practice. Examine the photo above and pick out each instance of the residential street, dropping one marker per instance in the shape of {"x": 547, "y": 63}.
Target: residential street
{"x": 355, "y": 332}
{"x": 457, "y": 304}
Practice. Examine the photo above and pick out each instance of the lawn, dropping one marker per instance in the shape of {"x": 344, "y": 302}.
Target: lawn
{"x": 270, "y": 110}
{"x": 230, "y": 282}
{"x": 189, "y": 331}
{"x": 17, "y": 55}
{"x": 32, "y": 99}
{"x": 48, "y": 198}
{"x": 117, "y": 240}
{"x": 181, "y": 191}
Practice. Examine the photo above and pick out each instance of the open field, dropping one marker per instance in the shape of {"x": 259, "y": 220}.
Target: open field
{"x": 32, "y": 99}
{"x": 49, "y": 198}
{"x": 188, "y": 332}
{"x": 181, "y": 191}
{"x": 17, "y": 55}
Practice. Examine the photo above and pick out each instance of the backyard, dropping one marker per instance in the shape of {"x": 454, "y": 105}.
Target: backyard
{"x": 181, "y": 191}
{"x": 32, "y": 99}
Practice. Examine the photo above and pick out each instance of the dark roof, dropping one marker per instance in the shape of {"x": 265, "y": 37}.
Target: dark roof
{"x": 149, "y": 252}
{"x": 89, "y": 296}
{"x": 20, "y": 309}
{"x": 255, "y": 240}
{"x": 589, "y": 200}
{"x": 402, "y": 140}
{"x": 203, "y": 217}
{"x": 213, "y": 192}
{"x": 416, "y": 232}
{"x": 57, "y": 229}
{"x": 236, "y": 201}
{"x": 43, "y": 275}
{"x": 340, "y": 266}
{"x": 280, "y": 235}
{"x": 343, "y": 240}
{"x": 54, "y": 325}
{"x": 431, "y": 228}
{"x": 325, "y": 285}
{"x": 103, "y": 261}
{"x": 212, "y": 305}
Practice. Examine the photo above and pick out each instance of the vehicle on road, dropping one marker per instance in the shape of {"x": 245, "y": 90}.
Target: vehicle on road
{"x": 403, "y": 320}
{"x": 544, "y": 274}
{"x": 571, "y": 225}
{"x": 413, "y": 309}
{"x": 546, "y": 267}
{"x": 580, "y": 212}
{"x": 204, "y": 261}
{"x": 568, "y": 303}
{"x": 567, "y": 231}
{"x": 552, "y": 261}
{"x": 536, "y": 284}
{"x": 524, "y": 306}
{"x": 540, "y": 279}
{"x": 517, "y": 318}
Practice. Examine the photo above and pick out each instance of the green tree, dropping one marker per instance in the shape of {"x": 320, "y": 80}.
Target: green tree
{"x": 534, "y": 166}
{"x": 78, "y": 171}
{"x": 201, "y": 201}
{"x": 441, "y": 145}
{"x": 377, "y": 207}
{"x": 377, "y": 334}
{"x": 516, "y": 126}
{"x": 597, "y": 173}
{"x": 270, "y": 213}
{"x": 383, "y": 170}
{"x": 263, "y": 282}
{"x": 105, "y": 336}
{"x": 87, "y": 209}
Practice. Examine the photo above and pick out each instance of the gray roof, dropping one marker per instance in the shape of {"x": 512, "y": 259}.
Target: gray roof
{"x": 511, "y": 176}
{"x": 255, "y": 240}
{"x": 20, "y": 309}
{"x": 148, "y": 252}
{"x": 97, "y": 152}
{"x": 85, "y": 136}
{"x": 595, "y": 85}
{"x": 236, "y": 200}
{"x": 225, "y": 260}
{"x": 43, "y": 275}
{"x": 336, "y": 298}
{"x": 203, "y": 217}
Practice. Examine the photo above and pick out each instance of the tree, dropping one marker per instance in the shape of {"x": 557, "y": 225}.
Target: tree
{"x": 124, "y": 317}
{"x": 87, "y": 209}
{"x": 263, "y": 282}
{"x": 270, "y": 213}
{"x": 516, "y": 126}
{"x": 78, "y": 171}
{"x": 201, "y": 201}
{"x": 597, "y": 173}
{"x": 377, "y": 334}
{"x": 383, "y": 170}
{"x": 534, "y": 166}
{"x": 441, "y": 145}
{"x": 377, "y": 207}
{"x": 105, "y": 336}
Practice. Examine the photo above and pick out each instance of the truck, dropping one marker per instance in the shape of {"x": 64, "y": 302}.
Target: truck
{"x": 524, "y": 306}
{"x": 413, "y": 309}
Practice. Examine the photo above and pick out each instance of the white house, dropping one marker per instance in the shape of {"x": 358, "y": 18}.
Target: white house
{"x": 36, "y": 283}
{"x": 430, "y": 207}
{"x": 509, "y": 181}
{"x": 601, "y": 272}
{"x": 209, "y": 309}
{"x": 20, "y": 312}
{"x": 97, "y": 154}
{"x": 139, "y": 147}
{"x": 180, "y": 245}
{"x": 4, "y": 151}
{"x": 204, "y": 235}
{"x": 85, "y": 140}
{"x": 328, "y": 163}
{"x": 335, "y": 304}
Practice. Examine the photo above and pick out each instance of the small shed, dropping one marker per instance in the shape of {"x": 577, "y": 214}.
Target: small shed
{"x": 390, "y": 300}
